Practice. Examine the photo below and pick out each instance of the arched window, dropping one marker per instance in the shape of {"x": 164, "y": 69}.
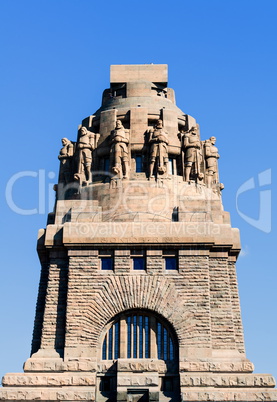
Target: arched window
{"x": 139, "y": 335}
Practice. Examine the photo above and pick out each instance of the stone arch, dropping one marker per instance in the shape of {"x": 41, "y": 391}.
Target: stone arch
{"x": 143, "y": 347}
{"x": 117, "y": 294}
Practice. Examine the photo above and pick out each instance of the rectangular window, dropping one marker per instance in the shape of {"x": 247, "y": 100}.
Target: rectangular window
{"x": 139, "y": 164}
{"x": 175, "y": 214}
{"x": 116, "y": 340}
{"x": 110, "y": 349}
{"x": 170, "y": 263}
{"x": 141, "y": 328}
{"x": 129, "y": 335}
{"x": 139, "y": 263}
{"x": 138, "y": 260}
{"x": 170, "y": 166}
{"x": 159, "y": 340}
{"x": 170, "y": 260}
{"x": 147, "y": 354}
{"x": 106, "y": 263}
{"x": 135, "y": 336}
{"x": 106, "y": 260}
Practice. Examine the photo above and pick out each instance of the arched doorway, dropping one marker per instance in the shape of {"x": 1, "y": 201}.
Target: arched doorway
{"x": 139, "y": 355}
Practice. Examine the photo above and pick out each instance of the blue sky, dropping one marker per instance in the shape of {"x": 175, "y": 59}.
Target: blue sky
{"x": 55, "y": 58}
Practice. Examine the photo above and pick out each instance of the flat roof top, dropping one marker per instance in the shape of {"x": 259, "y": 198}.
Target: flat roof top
{"x": 138, "y": 72}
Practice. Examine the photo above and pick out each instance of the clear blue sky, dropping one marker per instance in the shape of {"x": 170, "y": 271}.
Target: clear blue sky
{"x": 55, "y": 58}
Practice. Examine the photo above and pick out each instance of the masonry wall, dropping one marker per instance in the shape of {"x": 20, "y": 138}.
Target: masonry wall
{"x": 199, "y": 299}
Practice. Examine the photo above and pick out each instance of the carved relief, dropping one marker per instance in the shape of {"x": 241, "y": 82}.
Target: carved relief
{"x": 146, "y": 366}
{"x": 246, "y": 367}
{"x": 237, "y": 380}
{"x": 138, "y": 380}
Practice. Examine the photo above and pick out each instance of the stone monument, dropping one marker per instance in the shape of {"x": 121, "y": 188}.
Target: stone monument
{"x": 138, "y": 297}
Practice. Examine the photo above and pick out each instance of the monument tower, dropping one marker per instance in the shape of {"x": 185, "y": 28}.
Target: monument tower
{"x": 138, "y": 297}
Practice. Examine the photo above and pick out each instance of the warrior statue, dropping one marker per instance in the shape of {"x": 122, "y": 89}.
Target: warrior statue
{"x": 65, "y": 158}
{"x": 211, "y": 157}
{"x": 158, "y": 140}
{"x": 85, "y": 146}
{"x": 119, "y": 153}
{"x": 191, "y": 146}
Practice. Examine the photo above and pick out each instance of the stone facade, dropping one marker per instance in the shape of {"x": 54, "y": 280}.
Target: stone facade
{"x": 138, "y": 297}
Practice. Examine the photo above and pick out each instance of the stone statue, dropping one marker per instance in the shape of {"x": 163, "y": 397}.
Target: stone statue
{"x": 119, "y": 153}
{"x": 191, "y": 146}
{"x": 158, "y": 140}
{"x": 85, "y": 146}
{"x": 65, "y": 157}
{"x": 211, "y": 157}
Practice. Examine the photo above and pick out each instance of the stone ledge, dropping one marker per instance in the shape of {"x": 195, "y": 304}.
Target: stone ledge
{"x": 147, "y": 232}
{"x": 231, "y": 395}
{"x": 244, "y": 367}
{"x": 42, "y": 365}
{"x": 88, "y": 394}
{"x": 138, "y": 380}
{"x": 53, "y": 380}
{"x": 227, "y": 380}
{"x": 47, "y": 394}
{"x": 141, "y": 366}
{"x": 187, "y": 380}
{"x": 46, "y": 365}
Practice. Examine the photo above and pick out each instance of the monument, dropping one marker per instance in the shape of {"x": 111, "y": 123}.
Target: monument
{"x": 138, "y": 297}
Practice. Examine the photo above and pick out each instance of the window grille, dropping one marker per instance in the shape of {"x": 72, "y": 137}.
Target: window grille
{"x": 146, "y": 337}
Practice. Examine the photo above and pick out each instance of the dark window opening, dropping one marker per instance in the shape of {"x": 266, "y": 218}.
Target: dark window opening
{"x": 139, "y": 164}
{"x": 106, "y": 260}
{"x": 138, "y": 260}
{"x": 170, "y": 260}
{"x": 106, "y": 263}
{"x": 170, "y": 263}
{"x": 138, "y": 263}
{"x": 175, "y": 214}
